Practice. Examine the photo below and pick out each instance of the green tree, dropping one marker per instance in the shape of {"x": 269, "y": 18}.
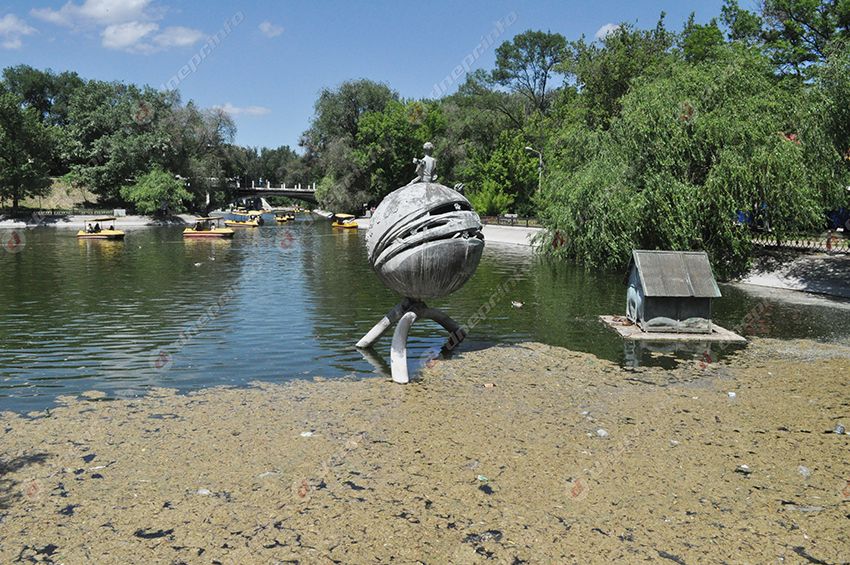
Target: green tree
{"x": 338, "y": 111}
{"x": 331, "y": 139}
{"x": 689, "y": 150}
{"x": 25, "y": 150}
{"x": 505, "y": 177}
{"x": 700, "y": 42}
{"x": 604, "y": 70}
{"x": 156, "y": 191}
{"x": 388, "y": 141}
{"x": 526, "y": 65}
{"x": 743, "y": 25}
{"x": 796, "y": 33}
{"x": 44, "y": 91}
{"x": 115, "y": 133}
{"x": 196, "y": 141}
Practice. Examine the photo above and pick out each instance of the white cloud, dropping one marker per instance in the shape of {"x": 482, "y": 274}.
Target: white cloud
{"x": 127, "y": 36}
{"x": 269, "y": 29}
{"x": 605, "y": 30}
{"x": 243, "y": 110}
{"x": 178, "y": 36}
{"x": 12, "y": 28}
{"x": 127, "y": 25}
{"x": 99, "y": 12}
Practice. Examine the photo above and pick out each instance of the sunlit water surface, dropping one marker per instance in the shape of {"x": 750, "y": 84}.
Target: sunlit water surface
{"x": 287, "y": 302}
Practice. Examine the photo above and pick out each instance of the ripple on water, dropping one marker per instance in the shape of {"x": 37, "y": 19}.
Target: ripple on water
{"x": 158, "y": 311}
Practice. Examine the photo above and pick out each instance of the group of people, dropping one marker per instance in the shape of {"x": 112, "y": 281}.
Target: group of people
{"x": 95, "y": 228}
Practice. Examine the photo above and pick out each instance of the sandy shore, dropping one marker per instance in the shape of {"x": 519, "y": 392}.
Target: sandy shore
{"x": 526, "y": 454}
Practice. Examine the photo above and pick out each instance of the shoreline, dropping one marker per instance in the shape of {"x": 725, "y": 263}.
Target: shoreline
{"x": 529, "y": 452}
{"x": 79, "y": 222}
{"x": 818, "y": 274}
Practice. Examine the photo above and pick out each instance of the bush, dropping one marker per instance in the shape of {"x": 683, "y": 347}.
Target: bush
{"x": 155, "y": 191}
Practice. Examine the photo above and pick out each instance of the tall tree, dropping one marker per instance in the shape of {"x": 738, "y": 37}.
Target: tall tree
{"x": 25, "y": 148}
{"x": 604, "y": 70}
{"x": 796, "y": 33}
{"x": 338, "y": 111}
{"x": 331, "y": 138}
{"x": 44, "y": 91}
{"x": 700, "y": 42}
{"x": 526, "y": 65}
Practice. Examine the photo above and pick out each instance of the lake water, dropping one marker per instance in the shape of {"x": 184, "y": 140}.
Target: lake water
{"x": 286, "y": 302}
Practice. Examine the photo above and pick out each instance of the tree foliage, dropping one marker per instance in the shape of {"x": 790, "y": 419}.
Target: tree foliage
{"x": 156, "y": 191}
{"x": 526, "y": 65}
{"x": 689, "y": 151}
{"x": 25, "y": 150}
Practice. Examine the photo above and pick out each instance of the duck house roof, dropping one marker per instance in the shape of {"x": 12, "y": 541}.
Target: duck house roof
{"x": 675, "y": 273}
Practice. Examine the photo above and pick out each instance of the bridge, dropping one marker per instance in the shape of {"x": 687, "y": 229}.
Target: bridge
{"x": 296, "y": 191}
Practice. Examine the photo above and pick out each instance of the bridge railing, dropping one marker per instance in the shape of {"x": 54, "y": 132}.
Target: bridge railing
{"x": 267, "y": 186}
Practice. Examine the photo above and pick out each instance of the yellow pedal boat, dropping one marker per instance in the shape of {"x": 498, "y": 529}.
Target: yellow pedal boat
{"x": 206, "y": 228}
{"x": 255, "y": 220}
{"x": 346, "y": 221}
{"x": 94, "y": 231}
{"x": 254, "y": 223}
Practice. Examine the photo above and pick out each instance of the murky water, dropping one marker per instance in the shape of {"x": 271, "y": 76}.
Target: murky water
{"x": 290, "y": 301}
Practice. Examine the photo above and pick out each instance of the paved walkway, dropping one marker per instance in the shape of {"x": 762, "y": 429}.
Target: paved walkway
{"x": 816, "y": 272}
{"x": 509, "y": 234}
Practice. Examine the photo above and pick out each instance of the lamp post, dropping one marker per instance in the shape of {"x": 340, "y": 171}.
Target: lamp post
{"x": 539, "y": 165}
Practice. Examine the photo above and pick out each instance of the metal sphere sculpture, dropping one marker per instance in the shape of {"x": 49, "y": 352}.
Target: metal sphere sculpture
{"x": 424, "y": 241}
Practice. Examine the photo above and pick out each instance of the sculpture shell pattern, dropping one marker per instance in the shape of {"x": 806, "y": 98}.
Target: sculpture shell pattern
{"x": 425, "y": 240}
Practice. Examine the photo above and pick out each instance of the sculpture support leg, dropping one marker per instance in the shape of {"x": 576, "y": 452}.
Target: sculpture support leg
{"x": 378, "y": 330}
{"x": 456, "y": 332}
{"x": 404, "y": 314}
{"x": 398, "y": 350}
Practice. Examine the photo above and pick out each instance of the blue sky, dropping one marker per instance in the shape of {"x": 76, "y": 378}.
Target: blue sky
{"x": 269, "y": 59}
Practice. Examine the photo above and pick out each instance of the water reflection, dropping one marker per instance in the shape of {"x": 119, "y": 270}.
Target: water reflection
{"x": 288, "y": 301}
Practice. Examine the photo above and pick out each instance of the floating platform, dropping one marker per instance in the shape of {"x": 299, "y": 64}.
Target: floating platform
{"x": 631, "y": 332}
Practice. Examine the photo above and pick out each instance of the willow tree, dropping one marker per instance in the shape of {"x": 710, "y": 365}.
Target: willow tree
{"x": 691, "y": 152}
